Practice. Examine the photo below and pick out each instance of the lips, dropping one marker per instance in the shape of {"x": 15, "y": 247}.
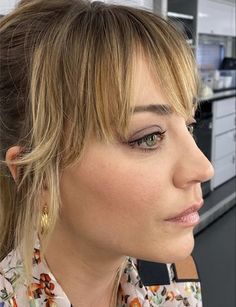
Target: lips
{"x": 193, "y": 208}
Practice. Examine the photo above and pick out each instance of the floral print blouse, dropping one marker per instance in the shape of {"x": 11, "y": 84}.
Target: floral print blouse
{"x": 45, "y": 291}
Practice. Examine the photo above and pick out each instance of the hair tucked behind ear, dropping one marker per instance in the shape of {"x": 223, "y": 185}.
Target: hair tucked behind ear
{"x": 34, "y": 91}
{"x": 66, "y": 69}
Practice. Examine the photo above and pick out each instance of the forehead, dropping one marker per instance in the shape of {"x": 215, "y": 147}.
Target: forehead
{"x": 147, "y": 91}
{"x": 146, "y": 88}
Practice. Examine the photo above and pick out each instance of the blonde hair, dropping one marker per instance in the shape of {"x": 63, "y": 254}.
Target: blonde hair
{"x": 67, "y": 71}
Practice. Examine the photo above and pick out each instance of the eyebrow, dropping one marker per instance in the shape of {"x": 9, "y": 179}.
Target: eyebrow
{"x": 160, "y": 109}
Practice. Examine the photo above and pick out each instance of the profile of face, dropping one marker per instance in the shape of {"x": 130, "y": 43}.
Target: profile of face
{"x": 118, "y": 198}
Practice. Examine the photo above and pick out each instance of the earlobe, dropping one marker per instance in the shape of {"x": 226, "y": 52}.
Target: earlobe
{"x": 12, "y": 154}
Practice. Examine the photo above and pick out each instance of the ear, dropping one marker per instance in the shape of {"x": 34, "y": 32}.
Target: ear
{"x": 12, "y": 154}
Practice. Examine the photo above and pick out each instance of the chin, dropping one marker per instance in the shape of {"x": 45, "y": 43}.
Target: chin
{"x": 180, "y": 250}
{"x": 172, "y": 251}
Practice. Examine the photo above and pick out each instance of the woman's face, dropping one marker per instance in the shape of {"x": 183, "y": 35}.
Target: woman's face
{"x": 119, "y": 197}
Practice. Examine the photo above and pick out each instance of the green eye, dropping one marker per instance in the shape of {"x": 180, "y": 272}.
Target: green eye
{"x": 191, "y": 125}
{"x": 148, "y": 142}
{"x": 151, "y": 140}
{"x": 190, "y": 128}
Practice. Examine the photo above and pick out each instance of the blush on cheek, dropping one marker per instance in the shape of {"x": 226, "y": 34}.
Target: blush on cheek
{"x": 112, "y": 199}
{"x": 124, "y": 188}
{"x": 107, "y": 186}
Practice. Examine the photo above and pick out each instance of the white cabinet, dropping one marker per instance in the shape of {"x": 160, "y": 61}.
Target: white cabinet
{"x": 216, "y": 17}
{"x": 224, "y": 107}
{"x": 224, "y": 144}
{"x": 225, "y": 169}
{"x": 224, "y": 124}
{"x": 223, "y": 140}
{"x": 6, "y": 6}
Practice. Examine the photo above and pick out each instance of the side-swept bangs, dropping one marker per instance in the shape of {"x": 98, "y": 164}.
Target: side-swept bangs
{"x": 106, "y": 43}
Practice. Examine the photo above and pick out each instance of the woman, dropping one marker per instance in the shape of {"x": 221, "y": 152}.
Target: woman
{"x": 97, "y": 157}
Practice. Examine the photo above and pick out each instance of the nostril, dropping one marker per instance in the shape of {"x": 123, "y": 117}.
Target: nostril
{"x": 209, "y": 172}
{"x": 212, "y": 171}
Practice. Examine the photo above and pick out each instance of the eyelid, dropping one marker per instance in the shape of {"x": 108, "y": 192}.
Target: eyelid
{"x": 191, "y": 126}
{"x": 145, "y": 131}
{"x": 191, "y": 121}
{"x": 135, "y": 143}
{"x": 159, "y": 133}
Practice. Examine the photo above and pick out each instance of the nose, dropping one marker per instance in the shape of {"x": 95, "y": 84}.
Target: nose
{"x": 192, "y": 166}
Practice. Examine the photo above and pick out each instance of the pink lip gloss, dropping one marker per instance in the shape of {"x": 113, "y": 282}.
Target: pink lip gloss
{"x": 187, "y": 220}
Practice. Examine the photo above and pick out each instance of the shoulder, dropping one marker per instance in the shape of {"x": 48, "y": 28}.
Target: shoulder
{"x": 184, "y": 285}
{"x": 167, "y": 285}
{"x": 10, "y": 278}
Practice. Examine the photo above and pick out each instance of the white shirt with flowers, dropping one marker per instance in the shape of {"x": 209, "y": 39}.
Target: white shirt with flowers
{"x": 45, "y": 291}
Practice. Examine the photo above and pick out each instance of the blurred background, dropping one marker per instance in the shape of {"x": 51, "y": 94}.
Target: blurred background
{"x": 209, "y": 26}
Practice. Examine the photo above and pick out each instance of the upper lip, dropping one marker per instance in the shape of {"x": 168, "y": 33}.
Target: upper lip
{"x": 192, "y": 208}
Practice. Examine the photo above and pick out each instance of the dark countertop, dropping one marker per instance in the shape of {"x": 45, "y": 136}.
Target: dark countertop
{"x": 224, "y": 89}
{"x": 220, "y": 94}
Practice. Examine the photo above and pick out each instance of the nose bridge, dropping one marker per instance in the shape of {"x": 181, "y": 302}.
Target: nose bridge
{"x": 193, "y": 165}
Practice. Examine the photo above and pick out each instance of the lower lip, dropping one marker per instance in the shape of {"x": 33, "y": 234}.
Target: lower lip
{"x": 188, "y": 220}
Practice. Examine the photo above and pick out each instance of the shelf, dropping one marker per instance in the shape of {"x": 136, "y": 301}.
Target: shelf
{"x": 178, "y": 15}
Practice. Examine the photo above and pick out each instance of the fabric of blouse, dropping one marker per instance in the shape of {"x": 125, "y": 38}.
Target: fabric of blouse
{"x": 45, "y": 291}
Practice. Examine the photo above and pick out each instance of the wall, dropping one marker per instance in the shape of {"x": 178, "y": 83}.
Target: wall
{"x": 6, "y": 6}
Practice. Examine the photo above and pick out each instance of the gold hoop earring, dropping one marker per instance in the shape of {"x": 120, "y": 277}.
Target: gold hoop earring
{"x": 44, "y": 221}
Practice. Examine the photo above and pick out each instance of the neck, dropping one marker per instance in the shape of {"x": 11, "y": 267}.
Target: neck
{"x": 82, "y": 267}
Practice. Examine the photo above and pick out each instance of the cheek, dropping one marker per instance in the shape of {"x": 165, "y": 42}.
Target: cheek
{"x": 121, "y": 186}
{"x": 112, "y": 193}
{"x": 120, "y": 205}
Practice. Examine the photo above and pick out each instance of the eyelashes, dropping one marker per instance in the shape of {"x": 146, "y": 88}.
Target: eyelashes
{"x": 191, "y": 128}
{"x": 153, "y": 141}
{"x": 149, "y": 141}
